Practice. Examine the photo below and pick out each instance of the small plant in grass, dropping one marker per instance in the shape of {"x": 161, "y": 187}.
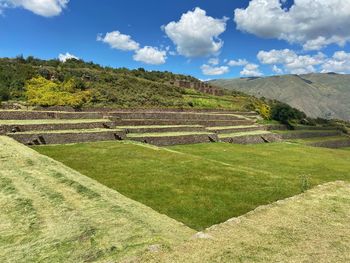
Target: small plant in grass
{"x": 304, "y": 183}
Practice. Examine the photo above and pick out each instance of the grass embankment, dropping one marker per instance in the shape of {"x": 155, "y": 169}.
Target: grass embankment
{"x": 204, "y": 184}
{"x": 320, "y": 139}
{"x": 230, "y": 127}
{"x": 312, "y": 227}
{"x": 238, "y": 134}
{"x": 51, "y": 213}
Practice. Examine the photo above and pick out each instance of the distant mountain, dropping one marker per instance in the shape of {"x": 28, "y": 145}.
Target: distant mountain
{"x": 318, "y": 95}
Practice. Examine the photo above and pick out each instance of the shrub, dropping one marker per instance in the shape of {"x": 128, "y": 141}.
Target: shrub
{"x": 43, "y": 92}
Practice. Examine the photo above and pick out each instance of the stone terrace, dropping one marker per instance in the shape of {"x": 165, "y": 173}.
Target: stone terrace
{"x": 158, "y": 127}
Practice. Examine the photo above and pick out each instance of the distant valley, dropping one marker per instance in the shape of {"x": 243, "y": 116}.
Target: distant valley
{"x": 318, "y": 95}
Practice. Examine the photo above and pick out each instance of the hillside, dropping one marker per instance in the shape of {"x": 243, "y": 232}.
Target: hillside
{"x": 50, "y": 212}
{"x": 79, "y": 84}
{"x": 318, "y": 95}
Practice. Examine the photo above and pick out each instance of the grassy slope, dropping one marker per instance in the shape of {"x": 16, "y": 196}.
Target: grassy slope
{"x": 318, "y": 95}
{"x": 204, "y": 184}
{"x": 312, "y": 227}
{"x": 50, "y": 213}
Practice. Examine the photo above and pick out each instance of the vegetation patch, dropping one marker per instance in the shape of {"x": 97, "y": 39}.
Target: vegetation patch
{"x": 204, "y": 184}
{"x": 50, "y": 212}
{"x": 311, "y": 227}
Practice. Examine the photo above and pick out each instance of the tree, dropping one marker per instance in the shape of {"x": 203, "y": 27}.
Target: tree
{"x": 284, "y": 113}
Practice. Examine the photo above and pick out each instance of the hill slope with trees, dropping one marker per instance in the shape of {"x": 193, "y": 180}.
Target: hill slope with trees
{"x": 84, "y": 84}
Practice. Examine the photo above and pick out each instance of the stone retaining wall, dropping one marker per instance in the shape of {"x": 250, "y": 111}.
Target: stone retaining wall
{"x": 222, "y": 111}
{"x": 302, "y": 135}
{"x": 232, "y": 130}
{"x": 37, "y": 115}
{"x": 54, "y": 126}
{"x": 276, "y": 127}
{"x": 253, "y": 139}
{"x": 332, "y": 144}
{"x": 177, "y": 140}
{"x": 63, "y": 138}
{"x": 172, "y": 116}
{"x": 168, "y": 129}
{"x": 207, "y": 123}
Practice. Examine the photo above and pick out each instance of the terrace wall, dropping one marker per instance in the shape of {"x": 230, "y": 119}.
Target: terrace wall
{"x": 253, "y": 139}
{"x": 301, "y": 135}
{"x": 176, "y": 140}
{"x": 332, "y": 144}
{"x": 63, "y": 138}
{"x": 37, "y": 115}
{"x": 54, "y": 126}
{"x": 208, "y": 123}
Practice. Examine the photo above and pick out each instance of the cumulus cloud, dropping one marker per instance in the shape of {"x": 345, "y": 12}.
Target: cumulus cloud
{"x": 277, "y": 70}
{"x": 150, "y": 55}
{"x": 340, "y": 63}
{"x": 213, "y": 70}
{"x": 196, "y": 34}
{"x": 236, "y": 63}
{"x": 65, "y": 57}
{"x": 214, "y": 61}
{"x": 292, "y": 62}
{"x": 312, "y": 23}
{"x": 251, "y": 70}
{"x": 45, "y": 8}
{"x": 117, "y": 40}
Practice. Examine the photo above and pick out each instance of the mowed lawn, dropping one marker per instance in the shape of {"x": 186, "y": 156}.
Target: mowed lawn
{"x": 204, "y": 184}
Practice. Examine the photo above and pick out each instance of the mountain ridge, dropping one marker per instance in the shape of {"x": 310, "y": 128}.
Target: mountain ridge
{"x": 323, "y": 95}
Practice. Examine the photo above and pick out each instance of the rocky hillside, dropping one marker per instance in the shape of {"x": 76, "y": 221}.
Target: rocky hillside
{"x": 318, "y": 95}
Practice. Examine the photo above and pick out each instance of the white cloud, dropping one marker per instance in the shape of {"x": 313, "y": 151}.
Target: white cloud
{"x": 119, "y": 41}
{"x": 312, "y": 23}
{"x": 45, "y": 8}
{"x": 150, "y": 55}
{"x": 214, "y": 71}
{"x": 251, "y": 70}
{"x": 277, "y": 70}
{"x": 291, "y": 62}
{"x": 214, "y": 61}
{"x": 340, "y": 63}
{"x": 239, "y": 62}
{"x": 65, "y": 57}
{"x": 196, "y": 34}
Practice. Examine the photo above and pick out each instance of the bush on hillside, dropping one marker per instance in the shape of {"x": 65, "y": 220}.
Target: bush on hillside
{"x": 286, "y": 114}
{"x": 43, "y": 92}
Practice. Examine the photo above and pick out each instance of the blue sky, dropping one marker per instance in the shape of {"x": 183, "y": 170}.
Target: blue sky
{"x": 208, "y": 39}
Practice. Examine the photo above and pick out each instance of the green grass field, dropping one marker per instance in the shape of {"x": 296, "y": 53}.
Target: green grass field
{"x": 312, "y": 227}
{"x": 51, "y": 213}
{"x": 204, "y": 184}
